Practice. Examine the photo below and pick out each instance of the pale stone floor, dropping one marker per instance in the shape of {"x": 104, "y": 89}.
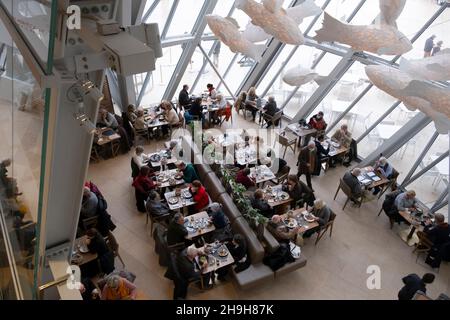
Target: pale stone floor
{"x": 336, "y": 268}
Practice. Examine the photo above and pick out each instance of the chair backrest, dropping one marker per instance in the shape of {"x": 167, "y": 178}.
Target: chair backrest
{"x": 395, "y": 174}
{"x": 89, "y": 223}
{"x": 424, "y": 240}
{"x": 277, "y": 115}
{"x": 283, "y": 140}
{"x": 345, "y": 188}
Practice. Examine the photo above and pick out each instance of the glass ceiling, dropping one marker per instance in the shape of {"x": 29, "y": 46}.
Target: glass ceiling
{"x": 375, "y": 116}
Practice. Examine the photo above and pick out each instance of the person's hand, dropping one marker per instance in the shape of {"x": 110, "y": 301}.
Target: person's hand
{"x": 87, "y": 241}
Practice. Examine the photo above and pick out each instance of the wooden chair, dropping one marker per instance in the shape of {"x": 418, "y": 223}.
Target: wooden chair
{"x": 281, "y": 176}
{"x": 145, "y": 133}
{"x": 348, "y": 192}
{"x": 156, "y": 219}
{"x": 113, "y": 245}
{"x": 424, "y": 245}
{"x": 325, "y": 228}
{"x": 226, "y": 114}
{"x": 89, "y": 223}
{"x": 287, "y": 143}
{"x": 392, "y": 183}
{"x": 266, "y": 119}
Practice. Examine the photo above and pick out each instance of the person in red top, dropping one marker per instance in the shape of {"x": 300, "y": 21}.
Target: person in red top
{"x": 243, "y": 178}
{"x": 317, "y": 122}
{"x": 200, "y": 195}
{"x": 143, "y": 184}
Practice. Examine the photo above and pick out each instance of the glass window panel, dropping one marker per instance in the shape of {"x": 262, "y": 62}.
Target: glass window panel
{"x": 185, "y": 17}
{"x": 160, "y": 78}
{"x": 433, "y": 182}
{"x": 160, "y": 14}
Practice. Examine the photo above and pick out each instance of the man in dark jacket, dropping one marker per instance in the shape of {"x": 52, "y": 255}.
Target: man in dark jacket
{"x": 183, "y": 98}
{"x": 176, "y": 232}
{"x": 414, "y": 283}
{"x": 351, "y": 179}
{"x": 258, "y": 202}
{"x": 429, "y": 44}
{"x": 322, "y": 153}
{"x": 307, "y": 161}
{"x": 439, "y": 233}
{"x": 270, "y": 109}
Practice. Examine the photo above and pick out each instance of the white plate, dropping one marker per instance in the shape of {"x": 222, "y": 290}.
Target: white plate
{"x": 173, "y": 200}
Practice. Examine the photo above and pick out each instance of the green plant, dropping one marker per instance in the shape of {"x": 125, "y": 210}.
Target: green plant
{"x": 252, "y": 215}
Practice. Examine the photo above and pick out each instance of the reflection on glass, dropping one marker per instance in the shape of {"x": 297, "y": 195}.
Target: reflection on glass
{"x": 33, "y": 19}
{"x": 21, "y": 115}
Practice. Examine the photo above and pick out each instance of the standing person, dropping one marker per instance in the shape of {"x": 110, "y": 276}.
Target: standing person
{"x": 183, "y": 98}
{"x": 143, "y": 184}
{"x": 307, "y": 162}
{"x": 322, "y": 154}
{"x": 212, "y": 91}
{"x": 429, "y": 44}
{"x": 216, "y": 54}
{"x": 414, "y": 283}
{"x": 437, "y": 48}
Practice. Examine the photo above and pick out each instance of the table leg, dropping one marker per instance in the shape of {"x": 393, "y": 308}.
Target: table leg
{"x": 413, "y": 229}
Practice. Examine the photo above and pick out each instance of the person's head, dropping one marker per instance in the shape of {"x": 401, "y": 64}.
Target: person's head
{"x": 259, "y": 194}
{"x": 311, "y": 145}
{"x": 196, "y": 185}
{"x": 181, "y": 165}
{"x": 215, "y": 207}
{"x": 320, "y": 115}
{"x": 292, "y": 180}
{"x": 172, "y": 145}
{"x": 439, "y": 218}
{"x": 103, "y": 112}
{"x": 131, "y": 108}
{"x": 140, "y": 113}
{"x": 191, "y": 252}
{"x": 433, "y": 36}
{"x": 165, "y": 105}
{"x": 6, "y": 162}
{"x": 153, "y": 195}
{"x": 410, "y": 194}
{"x": 319, "y": 204}
{"x": 139, "y": 150}
{"x": 252, "y": 92}
{"x": 210, "y": 86}
{"x": 440, "y": 43}
{"x": 243, "y": 95}
{"x": 178, "y": 218}
{"x": 344, "y": 128}
{"x": 92, "y": 233}
{"x": 113, "y": 282}
{"x": 246, "y": 171}
{"x": 276, "y": 218}
{"x": 356, "y": 172}
{"x": 86, "y": 193}
{"x": 238, "y": 240}
{"x": 383, "y": 161}
{"x": 144, "y": 171}
{"x": 271, "y": 99}
{"x": 321, "y": 138}
{"x": 185, "y": 87}
{"x": 219, "y": 97}
{"x": 428, "y": 278}
{"x": 198, "y": 101}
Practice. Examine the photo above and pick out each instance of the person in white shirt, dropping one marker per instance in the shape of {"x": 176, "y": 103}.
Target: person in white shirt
{"x": 140, "y": 157}
{"x": 212, "y": 91}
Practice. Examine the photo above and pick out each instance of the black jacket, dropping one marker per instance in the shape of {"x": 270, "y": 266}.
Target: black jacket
{"x": 262, "y": 206}
{"x": 413, "y": 283}
{"x": 438, "y": 234}
{"x": 196, "y": 110}
{"x": 271, "y": 108}
{"x": 186, "y": 267}
{"x": 176, "y": 233}
{"x": 184, "y": 98}
{"x": 353, "y": 183}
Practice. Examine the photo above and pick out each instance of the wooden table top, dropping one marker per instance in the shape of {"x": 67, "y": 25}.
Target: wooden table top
{"x": 192, "y": 219}
{"x": 266, "y": 174}
{"x": 365, "y": 174}
{"x": 304, "y": 225}
{"x": 275, "y": 202}
{"x": 180, "y": 204}
{"x": 168, "y": 174}
{"x": 299, "y": 131}
{"x": 102, "y": 140}
{"x": 225, "y": 261}
{"x": 83, "y": 257}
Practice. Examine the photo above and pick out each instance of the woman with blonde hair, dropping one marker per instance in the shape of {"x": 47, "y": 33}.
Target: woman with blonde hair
{"x": 118, "y": 288}
{"x": 252, "y": 102}
{"x": 240, "y": 101}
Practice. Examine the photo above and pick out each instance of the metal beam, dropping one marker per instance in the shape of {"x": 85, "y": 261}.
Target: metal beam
{"x": 202, "y": 69}
{"x": 143, "y": 88}
{"x": 227, "y": 71}
{"x": 169, "y": 19}
{"x": 441, "y": 199}
{"x": 440, "y": 206}
{"x": 426, "y": 168}
{"x": 150, "y": 10}
{"x": 189, "y": 50}
{"x": 216, "y": 71}
{"x": 403, "y": 135}
{"x": 376, "y": 123}
{"x": 421, "y": 156}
